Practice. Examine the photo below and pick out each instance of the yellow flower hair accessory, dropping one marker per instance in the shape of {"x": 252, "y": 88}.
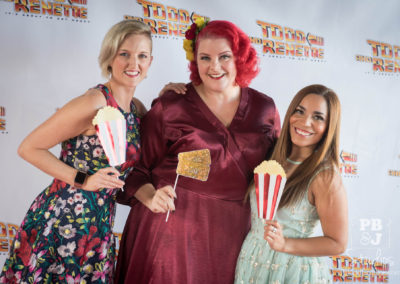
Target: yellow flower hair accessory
{"x": 189, "y": 42}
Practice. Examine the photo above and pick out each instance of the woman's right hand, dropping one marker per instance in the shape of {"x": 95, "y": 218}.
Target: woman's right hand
{"x": 103, "y": 178}
{"x": 162, "y": 200}
{"x": 179, "y": 88}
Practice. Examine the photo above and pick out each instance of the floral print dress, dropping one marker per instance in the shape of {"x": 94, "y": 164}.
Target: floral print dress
{"x": 66, "y": 236}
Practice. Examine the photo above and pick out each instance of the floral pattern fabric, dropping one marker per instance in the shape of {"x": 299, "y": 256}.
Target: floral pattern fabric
{"x": 66, "y": 236}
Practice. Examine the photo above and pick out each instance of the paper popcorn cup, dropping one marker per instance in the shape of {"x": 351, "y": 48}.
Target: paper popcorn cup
{"x": 269, "y": 180}
{"x": 111, "y": 130}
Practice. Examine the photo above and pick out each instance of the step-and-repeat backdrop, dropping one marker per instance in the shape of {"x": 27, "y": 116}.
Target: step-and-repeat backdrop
{"x": 48, "y": 55}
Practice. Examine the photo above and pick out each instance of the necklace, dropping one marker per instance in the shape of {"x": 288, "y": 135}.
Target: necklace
{"x": 293, "y": 162}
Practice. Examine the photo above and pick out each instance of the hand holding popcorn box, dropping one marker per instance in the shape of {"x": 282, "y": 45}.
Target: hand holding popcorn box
{"x": 269, "y": 179}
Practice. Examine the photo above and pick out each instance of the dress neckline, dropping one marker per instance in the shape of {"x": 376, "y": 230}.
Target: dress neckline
{"x": 131, "y": 106}
{"x": 213, "y": 118}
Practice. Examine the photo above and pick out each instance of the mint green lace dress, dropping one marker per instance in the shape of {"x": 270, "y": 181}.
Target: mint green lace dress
{"x": 258, "y": 263}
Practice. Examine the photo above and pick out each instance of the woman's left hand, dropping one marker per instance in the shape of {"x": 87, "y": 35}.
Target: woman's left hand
{"x": 273, "y": 235}
{"x": 179, "y": 88}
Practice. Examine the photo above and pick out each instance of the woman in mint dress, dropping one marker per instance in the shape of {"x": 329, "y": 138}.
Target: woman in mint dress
{"x": 282, "y": 251}
{"x": 66, "y": 236}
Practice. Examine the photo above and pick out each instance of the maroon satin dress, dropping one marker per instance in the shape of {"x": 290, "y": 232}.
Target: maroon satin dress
{"x": 203, "y": 236}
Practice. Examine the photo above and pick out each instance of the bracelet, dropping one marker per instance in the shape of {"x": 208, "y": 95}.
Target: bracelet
{"x": 80, "y": 179}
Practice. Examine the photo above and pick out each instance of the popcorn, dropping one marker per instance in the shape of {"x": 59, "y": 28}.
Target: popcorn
{"x": 272, "y": 167}
{"x": 269, "y": 179}
{"x": 107, "y": 113}
{"x": 194, "y": 164}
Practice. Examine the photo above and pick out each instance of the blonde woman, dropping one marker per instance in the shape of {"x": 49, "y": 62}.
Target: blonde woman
{"x": 66, "y": 236}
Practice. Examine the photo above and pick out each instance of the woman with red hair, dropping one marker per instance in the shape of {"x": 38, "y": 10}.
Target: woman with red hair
{"x": 208, "y": 222}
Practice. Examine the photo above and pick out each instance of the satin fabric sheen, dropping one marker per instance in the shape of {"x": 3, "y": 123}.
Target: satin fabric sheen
{"x": 201, "y": 241}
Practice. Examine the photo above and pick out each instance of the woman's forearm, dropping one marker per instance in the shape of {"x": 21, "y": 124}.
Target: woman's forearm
{"x": 315, "y": 246}
{"x": 44, "y": 160}
{"x": 145, "y": 194}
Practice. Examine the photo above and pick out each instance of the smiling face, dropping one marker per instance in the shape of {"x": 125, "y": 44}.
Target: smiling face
{"x": 309, "y": 122}
{"x": 216, "y": 64}
{"x": 132, "y": 61}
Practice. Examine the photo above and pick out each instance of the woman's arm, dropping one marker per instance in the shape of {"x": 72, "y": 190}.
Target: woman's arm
{"x": 158, "y": 201}
{"x": 71, "y": 120}
{"x": 153, "y": 150}
{"x": 331, "y": 203}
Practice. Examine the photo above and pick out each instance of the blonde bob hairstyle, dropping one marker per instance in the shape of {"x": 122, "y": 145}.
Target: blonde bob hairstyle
{"x": 326, "y": 152}
{"x": 115, "y": 37}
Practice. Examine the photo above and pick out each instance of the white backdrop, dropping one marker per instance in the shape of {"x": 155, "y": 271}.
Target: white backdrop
{"x": 46, "y": 60}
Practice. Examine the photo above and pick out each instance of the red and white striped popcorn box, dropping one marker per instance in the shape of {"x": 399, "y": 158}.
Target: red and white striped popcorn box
{"x": 111, "y": 130}
{"x": 112, "y": 135}
{"x": 269, "y": 180}
{"x": 269, "y": 190}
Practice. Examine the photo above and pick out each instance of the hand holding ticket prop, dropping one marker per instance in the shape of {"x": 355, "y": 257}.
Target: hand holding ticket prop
{"x": 111, "y": 129}
{"x": 269, "y": 179}
{"x": 193, "y": 164}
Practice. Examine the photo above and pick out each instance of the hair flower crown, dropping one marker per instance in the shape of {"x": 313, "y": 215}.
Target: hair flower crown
{"x": 189, "y": 42}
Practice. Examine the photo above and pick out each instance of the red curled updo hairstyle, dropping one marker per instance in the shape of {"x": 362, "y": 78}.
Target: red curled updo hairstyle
{"x": 246, "y": 59}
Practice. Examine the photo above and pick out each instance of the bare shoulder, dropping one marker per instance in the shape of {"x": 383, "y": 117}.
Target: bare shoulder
{"x": 140, "y": 107}
{"x": 83, "y": 104}
{"x": 79, "y": 112}
{"x": 328, "y": 181}
{"x": 94, "y": 98}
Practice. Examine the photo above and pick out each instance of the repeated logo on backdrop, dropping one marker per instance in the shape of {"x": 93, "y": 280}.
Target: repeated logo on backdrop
{"x": 3, "y": 128}
{"x": 287, "y": 42}
{"x": 74, "y": 10}
{"x": 355, "y": 269}
{"x": 164, "y": 20}
{"x": 384, "y": 59}
{"x": 7, "y": 234}
{"x": 348, "y": 164}
{"x": 395, "y": 174}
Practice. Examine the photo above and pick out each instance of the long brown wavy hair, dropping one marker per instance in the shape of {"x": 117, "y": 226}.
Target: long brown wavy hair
{"x": 326, "y": 152}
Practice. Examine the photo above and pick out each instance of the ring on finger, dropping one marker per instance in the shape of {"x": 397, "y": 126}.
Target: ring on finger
{"x": 274, "y": 230}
